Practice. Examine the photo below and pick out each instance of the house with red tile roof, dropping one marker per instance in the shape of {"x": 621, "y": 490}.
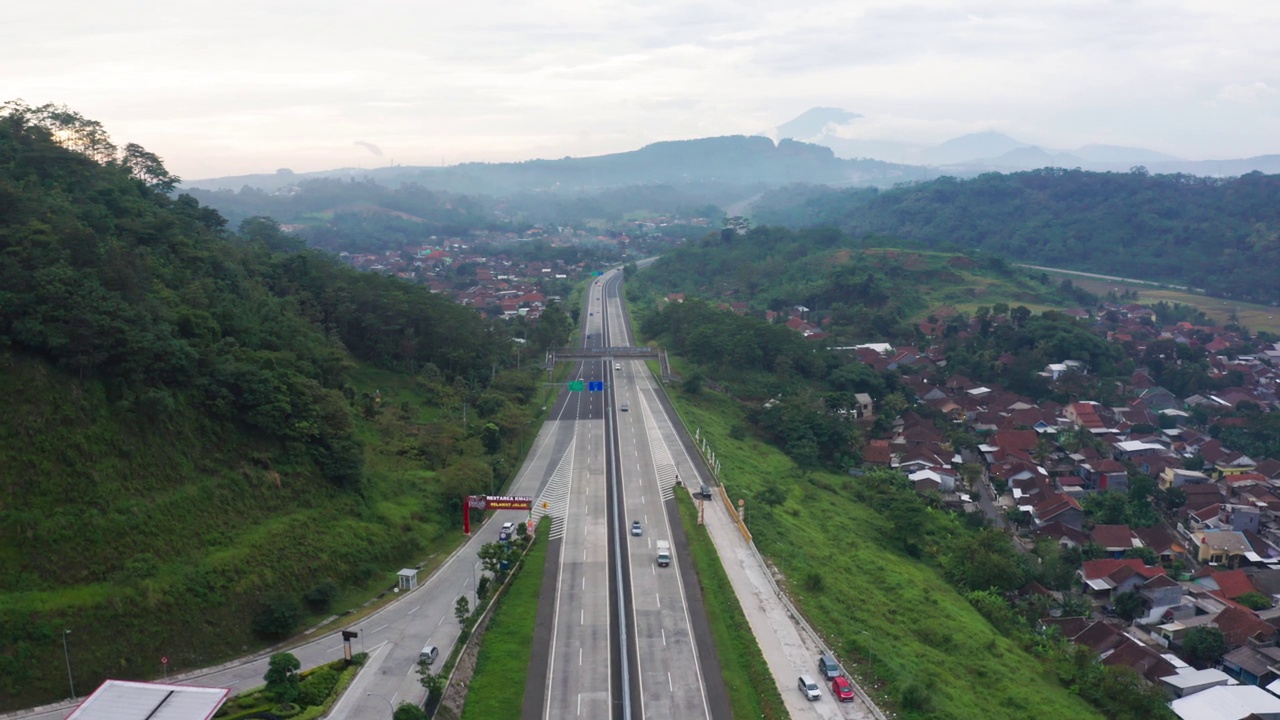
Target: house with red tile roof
{"x": 1059, "y": 507}
{"x": 1230, "y": 584}
{"x": 1240, "y": 624}
{"x": 1108, "y": 577}
{"x": 1116, "y": 540}
{"x": 1085, "y": 415}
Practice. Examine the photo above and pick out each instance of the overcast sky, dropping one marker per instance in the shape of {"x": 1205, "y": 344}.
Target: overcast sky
{"x": 230, "y": 87}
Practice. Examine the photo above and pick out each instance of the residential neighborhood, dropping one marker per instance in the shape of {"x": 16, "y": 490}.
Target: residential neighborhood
{"x": 1206, "y": 565}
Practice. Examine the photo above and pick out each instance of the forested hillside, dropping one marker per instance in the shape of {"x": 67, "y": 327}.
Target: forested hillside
{"x": 853, "y": 288}
{"x": 210, "y": 436}
{"x": 1222, "y": 235}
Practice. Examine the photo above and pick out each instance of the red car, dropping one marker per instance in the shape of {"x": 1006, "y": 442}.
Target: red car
{"x": 842, "y": 689}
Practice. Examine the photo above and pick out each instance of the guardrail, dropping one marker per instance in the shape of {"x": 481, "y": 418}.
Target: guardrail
{"x": 777, "y": 590}
{"x": 724, "y": 494}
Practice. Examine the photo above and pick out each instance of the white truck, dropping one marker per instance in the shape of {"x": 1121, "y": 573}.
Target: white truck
{"x": 664, "y": 553}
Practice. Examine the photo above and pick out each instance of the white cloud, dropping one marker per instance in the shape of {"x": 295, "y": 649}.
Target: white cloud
{"x": 1246, "y": 94}
{"x": 239, "y": 86}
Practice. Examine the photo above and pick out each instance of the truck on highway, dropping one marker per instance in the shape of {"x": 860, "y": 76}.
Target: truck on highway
{"x": 664, "y": 553}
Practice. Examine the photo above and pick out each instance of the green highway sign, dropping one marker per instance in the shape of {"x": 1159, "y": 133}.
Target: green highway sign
{"x": 576, "y": 386}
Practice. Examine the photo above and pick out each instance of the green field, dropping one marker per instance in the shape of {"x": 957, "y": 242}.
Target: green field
{"x": 912, "y": 640}
{"x": 497, "y": 688}
{"x": 752, "y": 690}
{"x": 1253, "y": 316}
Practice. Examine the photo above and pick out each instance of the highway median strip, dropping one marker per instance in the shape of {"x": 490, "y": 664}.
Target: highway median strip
{"x": 752, "y": 690}
{"x": 497, "y": 686}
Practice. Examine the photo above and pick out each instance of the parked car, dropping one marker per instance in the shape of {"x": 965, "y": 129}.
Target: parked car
{"x": 636, "y": 530}
{"x": 809, "y": 687}
{"x": 842, "y": 689}
{"x": 828, "y": 667}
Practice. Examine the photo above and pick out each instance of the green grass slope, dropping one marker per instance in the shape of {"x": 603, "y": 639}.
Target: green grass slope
{"x": 916, "y": 640}
{"x": 211, "y": 439}
{"x": 151, "y": 539}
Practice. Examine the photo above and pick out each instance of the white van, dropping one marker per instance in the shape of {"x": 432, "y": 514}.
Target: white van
{"x": 428, "y": 654}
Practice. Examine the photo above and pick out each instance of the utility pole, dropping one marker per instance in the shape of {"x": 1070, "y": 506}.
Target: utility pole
{"x": 67, "y": 654}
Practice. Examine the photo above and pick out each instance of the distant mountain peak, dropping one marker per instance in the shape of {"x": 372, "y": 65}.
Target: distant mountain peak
{"x": 971, "y": 147}
{"x": 812, "y": 122}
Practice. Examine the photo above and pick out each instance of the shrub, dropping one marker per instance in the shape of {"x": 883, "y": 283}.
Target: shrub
{"x": 321, "y": 597}
{"x": 316, "y": 688}
{"x": 278, "y": 618}
{"x": 814, "y": 582}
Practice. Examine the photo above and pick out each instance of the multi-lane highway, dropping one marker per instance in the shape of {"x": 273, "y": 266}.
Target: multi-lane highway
{"x": 621, "y": 643}
{"x": 625, "y": 642}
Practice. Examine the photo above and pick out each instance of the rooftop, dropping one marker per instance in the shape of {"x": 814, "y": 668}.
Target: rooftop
{"x": 128, "y": 700}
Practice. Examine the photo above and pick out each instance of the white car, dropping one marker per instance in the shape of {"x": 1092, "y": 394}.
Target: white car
{"x": 809, "y": 687}
{"x": 508, "y": 529}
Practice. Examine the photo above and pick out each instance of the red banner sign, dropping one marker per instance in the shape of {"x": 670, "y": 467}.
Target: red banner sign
{"x": 492, "y": 502}
{"x": 507, "y": 502}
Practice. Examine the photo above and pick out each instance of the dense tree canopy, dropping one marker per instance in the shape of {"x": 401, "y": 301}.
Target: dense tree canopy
{"x": 1219, "y": 234}
{"x": 105, "y": 275}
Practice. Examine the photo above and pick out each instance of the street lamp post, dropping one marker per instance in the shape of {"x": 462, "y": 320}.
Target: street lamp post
{"x": 67, "y": 655}
{"x": 384, "y": 699}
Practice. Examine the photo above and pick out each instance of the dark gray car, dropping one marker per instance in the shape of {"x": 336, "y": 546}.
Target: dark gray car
{"x": 828, "y": 666}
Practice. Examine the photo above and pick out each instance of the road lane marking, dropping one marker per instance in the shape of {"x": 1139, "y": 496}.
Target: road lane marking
{"x": 664, "y": 637}
{"x": 579, "y": 656}
{"x": 659, "y": 599}
{"x": 439, "y": 622}
{"x": 669, "y": 687}
{"x": 378, "y": 628}
{"x": 582, "y": 616}
{"x": 414, "y": 610}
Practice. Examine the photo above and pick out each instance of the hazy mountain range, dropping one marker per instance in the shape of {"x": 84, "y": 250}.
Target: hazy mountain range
{"x": 737, "y": 160}
{"x": 807, "y": 149}
{"x": 987, "y": 151}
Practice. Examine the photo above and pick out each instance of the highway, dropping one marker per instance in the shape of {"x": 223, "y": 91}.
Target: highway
{"x": 625, "y": 642}
{"x": 638, "y": 657}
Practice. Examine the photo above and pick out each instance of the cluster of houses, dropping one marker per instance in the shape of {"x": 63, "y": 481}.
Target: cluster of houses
{"x": 503, "y": 286}
{"x": 1043, "y": 459}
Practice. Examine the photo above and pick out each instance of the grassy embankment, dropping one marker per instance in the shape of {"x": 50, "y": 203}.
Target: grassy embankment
{"x": 498, "y": 686}
{"x": 190, "y": 526}
{"x": 752, "y": 690}
{"x": 896, "y": 621}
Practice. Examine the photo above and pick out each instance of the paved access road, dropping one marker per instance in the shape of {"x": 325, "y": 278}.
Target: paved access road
{"x": 394, "y": 635}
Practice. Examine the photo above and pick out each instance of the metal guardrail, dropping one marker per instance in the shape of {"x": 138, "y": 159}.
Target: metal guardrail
{"x": 786, "y": 601}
